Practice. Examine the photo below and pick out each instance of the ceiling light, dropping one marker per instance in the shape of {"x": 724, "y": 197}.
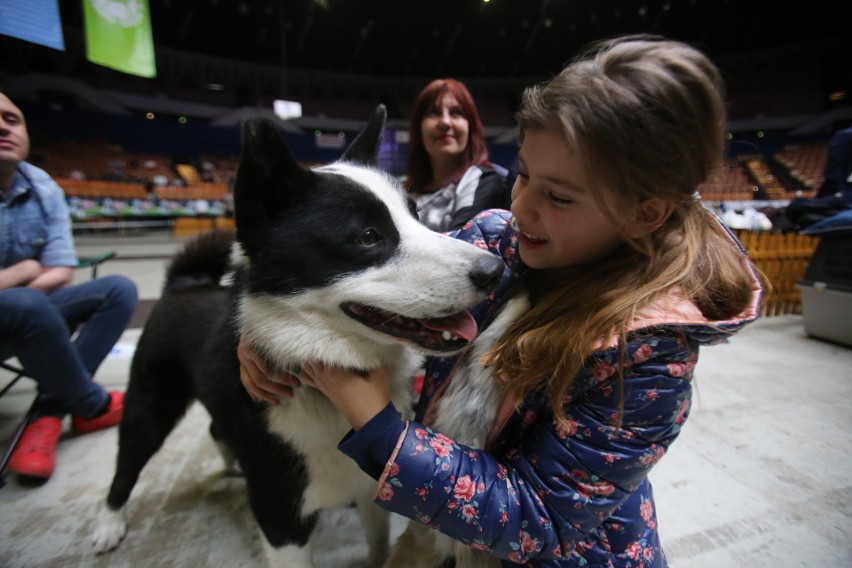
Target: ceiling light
{"x": 285, "y": 110}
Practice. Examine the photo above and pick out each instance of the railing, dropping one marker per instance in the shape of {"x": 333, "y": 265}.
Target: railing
{"x": 96, "y": 189}
{"x": 191, "y": 226}
{"x": 783, "y": 259}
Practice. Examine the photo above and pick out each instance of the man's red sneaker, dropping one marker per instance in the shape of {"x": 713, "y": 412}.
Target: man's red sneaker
{"x": 109, "y": 418}
{"x": 35, "y": 454}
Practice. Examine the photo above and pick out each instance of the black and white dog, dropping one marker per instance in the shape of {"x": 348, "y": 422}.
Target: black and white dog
{"x": 328, "y": 264}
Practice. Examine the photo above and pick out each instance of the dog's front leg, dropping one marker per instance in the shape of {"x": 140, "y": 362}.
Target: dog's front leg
{"x": 376, "y": 522}
{"x": 420, "y": 547}
{"x": 467, "y": 557}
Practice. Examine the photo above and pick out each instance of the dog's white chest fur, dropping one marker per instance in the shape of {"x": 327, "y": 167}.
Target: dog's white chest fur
{"x": 314, "y": 427}
{"x": 468, "y": 408}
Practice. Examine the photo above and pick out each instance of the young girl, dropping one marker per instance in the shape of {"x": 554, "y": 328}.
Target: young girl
{"x": 534, "y": 445}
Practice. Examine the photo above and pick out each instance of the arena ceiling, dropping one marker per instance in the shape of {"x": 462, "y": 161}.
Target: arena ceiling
{"x": 779, "y": 57}
{"x": 468, "y": 38}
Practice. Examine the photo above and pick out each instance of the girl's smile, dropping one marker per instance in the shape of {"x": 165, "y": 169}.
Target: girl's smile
{"x": 531, "y": 240}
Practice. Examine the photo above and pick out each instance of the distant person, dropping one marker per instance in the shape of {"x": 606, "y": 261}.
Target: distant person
{"x": 40, "y": 310}
{"x": 449, "y": 175}
{"x": 838, "y": 167}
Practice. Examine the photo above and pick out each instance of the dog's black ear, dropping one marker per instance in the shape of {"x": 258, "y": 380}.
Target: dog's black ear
{"x": 365, "y": 148}
{"x": 269, "y": 177}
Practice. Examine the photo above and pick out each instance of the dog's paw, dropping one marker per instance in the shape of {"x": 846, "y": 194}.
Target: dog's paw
{"x": 110, "y": 530}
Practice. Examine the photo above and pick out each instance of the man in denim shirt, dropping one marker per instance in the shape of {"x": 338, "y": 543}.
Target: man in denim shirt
{"x": 60, "y": 333}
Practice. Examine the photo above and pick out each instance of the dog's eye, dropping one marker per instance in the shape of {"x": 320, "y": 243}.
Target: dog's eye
{"x": 369, "y": 238}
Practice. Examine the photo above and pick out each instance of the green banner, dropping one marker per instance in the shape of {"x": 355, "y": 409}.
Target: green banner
{"x": 118, "y": 36}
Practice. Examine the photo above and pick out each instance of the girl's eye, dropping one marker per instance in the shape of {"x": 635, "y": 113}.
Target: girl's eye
{"x": 560, "y": 200}
{"x": 523, "y": 176}
{"x": 368, "y": 238}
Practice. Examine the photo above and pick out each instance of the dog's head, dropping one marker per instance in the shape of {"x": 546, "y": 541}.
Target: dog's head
{"x": 335, "y": 254}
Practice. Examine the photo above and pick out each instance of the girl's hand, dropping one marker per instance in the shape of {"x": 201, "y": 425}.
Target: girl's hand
{"x": 260, "y": 384}
{"x": 358, "y": 396}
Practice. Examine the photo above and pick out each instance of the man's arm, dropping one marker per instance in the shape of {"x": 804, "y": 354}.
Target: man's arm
{"x": 53, "y": 278}
{"x": 32, "y": 274}
{"x": 20, "y": 274}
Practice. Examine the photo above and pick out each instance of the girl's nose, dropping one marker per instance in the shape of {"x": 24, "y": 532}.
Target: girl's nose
{"x": 520, "y": 201}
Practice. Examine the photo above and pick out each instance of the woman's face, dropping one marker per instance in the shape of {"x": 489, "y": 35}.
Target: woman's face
{"x": 445, "y": 128}
{"x": 560, "y": 223}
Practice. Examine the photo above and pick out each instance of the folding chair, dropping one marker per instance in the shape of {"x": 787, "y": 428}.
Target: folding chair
{"x": 94, "y": 261}
{"x": 18, "y": 373}
{"x": 6, "y": 358}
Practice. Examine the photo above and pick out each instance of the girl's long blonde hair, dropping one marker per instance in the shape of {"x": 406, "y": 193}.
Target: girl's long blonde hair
{"x": 648, "y": 114}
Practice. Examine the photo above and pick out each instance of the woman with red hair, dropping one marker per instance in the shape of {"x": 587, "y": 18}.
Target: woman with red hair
{"x": 449, "y": 176}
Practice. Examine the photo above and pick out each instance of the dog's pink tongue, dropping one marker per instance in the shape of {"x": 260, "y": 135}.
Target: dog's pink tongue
{"x": 461, "y": 324}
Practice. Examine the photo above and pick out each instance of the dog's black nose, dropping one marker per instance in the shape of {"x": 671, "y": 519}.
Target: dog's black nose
{"x": 486, "y": 272}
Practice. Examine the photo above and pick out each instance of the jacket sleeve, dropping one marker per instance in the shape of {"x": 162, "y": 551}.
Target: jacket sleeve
{"x": 487, "y": 191}
{"x": 561, "y": 480}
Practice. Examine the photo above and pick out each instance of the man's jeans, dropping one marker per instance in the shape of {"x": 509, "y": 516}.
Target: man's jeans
{"x": 39, "y": 329}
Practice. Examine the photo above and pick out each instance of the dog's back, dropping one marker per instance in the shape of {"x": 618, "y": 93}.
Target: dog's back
{"x": 202, "y": 262}
{"x": 187, "y": 335}
{"x": 192, "y": 310}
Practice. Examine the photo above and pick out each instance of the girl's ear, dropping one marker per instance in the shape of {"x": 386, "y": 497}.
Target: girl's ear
{"x": 652, "y": 214}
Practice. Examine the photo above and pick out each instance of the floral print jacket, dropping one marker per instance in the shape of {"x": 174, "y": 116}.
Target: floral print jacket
{"x": 546, "y": 493}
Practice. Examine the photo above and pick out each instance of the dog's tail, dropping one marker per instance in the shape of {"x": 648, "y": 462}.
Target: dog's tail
{"x": 203, "y": 261}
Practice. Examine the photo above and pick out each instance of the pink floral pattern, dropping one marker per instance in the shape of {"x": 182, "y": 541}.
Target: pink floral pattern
{"x": 547, "y": 493}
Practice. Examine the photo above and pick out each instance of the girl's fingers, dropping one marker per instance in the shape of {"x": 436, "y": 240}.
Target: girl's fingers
{"x": 259, "y": 382}
{"x": 268, "y": 388}
{"x": 250, "y": 383}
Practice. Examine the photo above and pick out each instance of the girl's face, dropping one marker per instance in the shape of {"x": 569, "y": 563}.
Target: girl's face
{"x": 445, "y": 128}
{"x": 560, "y": 223}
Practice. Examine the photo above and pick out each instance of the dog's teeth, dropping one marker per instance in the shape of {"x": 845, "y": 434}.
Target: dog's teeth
{"x": 447, "y": 335}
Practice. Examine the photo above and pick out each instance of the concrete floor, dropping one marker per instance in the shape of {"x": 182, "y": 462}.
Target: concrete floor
{"x": 760, "y": 477}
